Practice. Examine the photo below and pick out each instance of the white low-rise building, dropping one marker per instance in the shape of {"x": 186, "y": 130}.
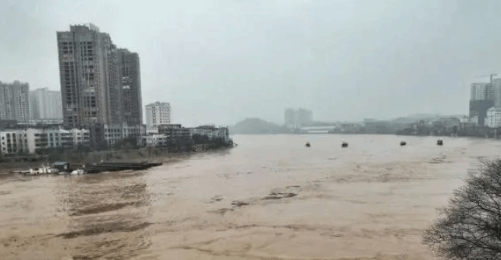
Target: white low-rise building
{"x": 151, "y": 130}
{"x": 116, "y": 133}
{"x": 158, "y": 113}
{"x": 493, "y": 118}
{"x": 33, "y": 140}
{"x": 13, "y": 142}
{"x": 154, "y": 140}
{"x": 80, "y": 136}
{"x": 176, "y": 133}
{"x": 206, "y": 130}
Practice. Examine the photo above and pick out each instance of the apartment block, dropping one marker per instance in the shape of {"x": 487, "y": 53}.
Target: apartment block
{"x": 296, "y": 118}
{"x": 14, "y": 101}
{"x": 153, "y": 140}
{"x": 37, "y": 140}
{"x": 130, "y": 80}
{"x": 45, "y": 104}
{"x": 175, "y": 131}
{"x": 169, "y": 134}
{"x": 158, "y": 113}
{"x": 482, "y": 97}
{"x": 14, "y": 142}
{"x": 115, "y": 133}
{"x": 100, "y": 84}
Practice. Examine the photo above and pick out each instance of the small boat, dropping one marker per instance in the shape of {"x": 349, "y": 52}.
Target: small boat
{"x": 344, "y": 144}
{"x": 42, "y": 170}
{"x": 440, "y": 142}
{"x": 308, "y": 144}
{"x": 402, "y": 143}
{"x": 62, "y": 166}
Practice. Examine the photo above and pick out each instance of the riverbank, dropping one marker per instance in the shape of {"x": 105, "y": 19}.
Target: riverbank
{"x": 154, "y": 155}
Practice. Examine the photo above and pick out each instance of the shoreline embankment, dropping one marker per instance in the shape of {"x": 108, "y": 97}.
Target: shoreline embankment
{"x": 155, "y": 155}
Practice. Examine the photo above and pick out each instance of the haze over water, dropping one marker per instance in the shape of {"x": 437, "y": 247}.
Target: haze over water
{"x": 269, "y": 198}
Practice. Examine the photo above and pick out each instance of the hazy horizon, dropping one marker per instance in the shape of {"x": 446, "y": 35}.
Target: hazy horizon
{"x": 223, "y": 61}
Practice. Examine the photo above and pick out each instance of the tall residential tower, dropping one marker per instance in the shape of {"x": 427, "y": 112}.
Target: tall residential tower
{"x": 130, "y": 80}
{"x": 100, "y": 84}
{"x": 296, "y": 118}
{"x": 14, "y": 101}
{"x": 481, "y": 99}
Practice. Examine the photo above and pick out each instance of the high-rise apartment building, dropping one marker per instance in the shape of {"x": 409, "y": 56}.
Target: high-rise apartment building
{"x": 87, "y": 75}
{"x": 14, "y": 101}
{"x": 304, "y": 116}
{"x": 296, "y": 118}
{"x": 481, "y": 99}
{"x": 100, "y": 84}
{"x": 481, "y": 91}
{"x": 45, "y": 104}
{"x": 290, "y": 117}
{"x": 496, "y": 90}
{"x": 130, "y": 77}
{"x": 157, "y": 113}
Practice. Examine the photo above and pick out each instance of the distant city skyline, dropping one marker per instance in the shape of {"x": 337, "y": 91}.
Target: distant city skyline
{"x": 418, "y": 57}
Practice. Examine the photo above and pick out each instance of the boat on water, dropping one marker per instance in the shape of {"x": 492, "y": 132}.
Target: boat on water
{"x": 78, "y": 172}
{"x": 42, "y": 170}
{"x": 308, "y": 144}
{"x": 344, "y": 144}
{"x": 402, "y": 143}
{"x": 66, "y": 168}
{"x": 62, "y": 166}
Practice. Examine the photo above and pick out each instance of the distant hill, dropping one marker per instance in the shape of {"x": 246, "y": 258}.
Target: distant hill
{"x": 256, "y": 126}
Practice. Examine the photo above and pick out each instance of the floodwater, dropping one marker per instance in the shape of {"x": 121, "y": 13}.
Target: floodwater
{"x": 268, "y": 198}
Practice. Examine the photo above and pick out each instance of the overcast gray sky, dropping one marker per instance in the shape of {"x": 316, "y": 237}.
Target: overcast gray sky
{"x": 223, "y": 61}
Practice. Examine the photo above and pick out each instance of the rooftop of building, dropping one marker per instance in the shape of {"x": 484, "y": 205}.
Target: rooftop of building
{"x": 158, "y": 103}
{"x": 206, "y": 127}
{"x": 126, "y": 51}
{"x": 16, "y": 82}
{"x": 88, "y": 26}
{"x": 165, "y": 126}
{"x": 44, "y": 89}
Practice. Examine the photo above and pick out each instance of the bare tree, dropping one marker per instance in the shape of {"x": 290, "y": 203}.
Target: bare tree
{"x": 470, "y": 226}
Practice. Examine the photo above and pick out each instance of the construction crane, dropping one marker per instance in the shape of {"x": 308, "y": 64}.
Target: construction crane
{"x": 490, "y": 75}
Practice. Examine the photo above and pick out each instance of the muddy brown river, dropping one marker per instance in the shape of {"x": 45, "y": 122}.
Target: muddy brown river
{"x": 268, "y": 198}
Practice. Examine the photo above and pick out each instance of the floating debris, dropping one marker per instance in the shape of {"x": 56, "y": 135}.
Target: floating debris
{"x": 239, "y": 203}
{"x": 222, "y": 211}
{"x": 279, "y": 195}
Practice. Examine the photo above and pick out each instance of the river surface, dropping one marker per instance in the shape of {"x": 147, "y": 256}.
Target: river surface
{"x": 268, "y": 198}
